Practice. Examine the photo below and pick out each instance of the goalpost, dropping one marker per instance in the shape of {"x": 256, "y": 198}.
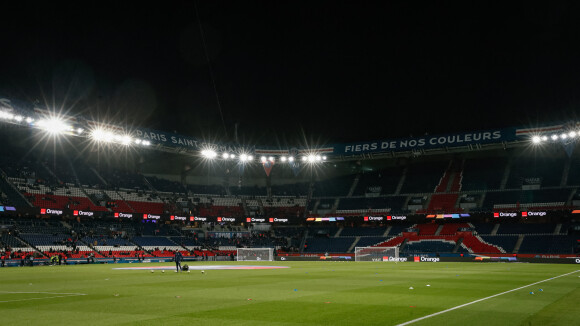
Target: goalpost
{"x": 376, "y": 254}
{"x": 255, "y": 254}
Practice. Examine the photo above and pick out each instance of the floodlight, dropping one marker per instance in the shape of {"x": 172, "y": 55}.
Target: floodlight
{"x": 137, "y": 141}
{"x": 53, "y": 126}
{"x": 263, "y": 159}
{"x": 97, "y": 135}
{"x": 311, "y": 158}
{"x": 103, "y": 135}
{"x": 208, "y": 153}
{"x": 318, "y": 158}
{"x": 126, "y": 140}
{"x": 109, "y": 137}
{"x": 544, "y": 138}
{"x": 554, "y": 137}
{"x": 232, "y": 155}
{"x": 536, "y": 139}
{"x": 6, "y": 115}
{"x": 304, "y": 158}
{"x": 271, "y": 159}
{"x": 19, "y": 118}
{"x": 291, "y": 159}
{"x": 563, "y": 136}
{"x": 146, "y": 143}
{"x": 80, "y": 131}
{"x": 246, "y": 157}
{"x": 572, "y": 134}
{"x": 29, "y": 120}
{"x": 283, "y": 158}
{"x": 324, "y": 158}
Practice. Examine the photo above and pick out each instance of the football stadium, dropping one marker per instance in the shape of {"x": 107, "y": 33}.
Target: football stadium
{"x": 474, "y": 228}
{"x": 289, "y": 163}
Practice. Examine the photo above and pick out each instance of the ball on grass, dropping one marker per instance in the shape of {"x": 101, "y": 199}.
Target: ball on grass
{"x": 152, "y": 271}
{"x": 203, "y": 272}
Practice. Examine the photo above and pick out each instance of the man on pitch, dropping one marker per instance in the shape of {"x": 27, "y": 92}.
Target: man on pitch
{"x": 178, "y": 258}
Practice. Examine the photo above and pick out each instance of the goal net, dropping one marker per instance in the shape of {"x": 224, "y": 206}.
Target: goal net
{"x": 376, "y": 254}
{"x": 255, "y": 254}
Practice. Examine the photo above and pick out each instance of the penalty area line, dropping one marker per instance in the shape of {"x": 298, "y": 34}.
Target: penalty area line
{"x": 482, "y": 299}
{"x": 60, "y": 295}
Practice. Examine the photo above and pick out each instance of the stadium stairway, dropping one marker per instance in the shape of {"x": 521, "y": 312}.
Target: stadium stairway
{"x": 353, "y": 185}
{"x": 518, "y": 243}
{"x": 354, "y": 243}
{"x": 441, "y": 200}
{"x": 457, "y": 245}
{"x": 36, "y": 250}
{"x": 403, "y": 244}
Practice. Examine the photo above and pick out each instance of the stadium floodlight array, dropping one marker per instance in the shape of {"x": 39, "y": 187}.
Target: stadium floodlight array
{"x": 55, "y": 125}
{"x": 311, "y": 158}
{"x": 376, "y": 254}
{"x": 255, "y": 254}
{"x": 242, "y": 157}
{"x": 246, "y": 157}
{"x": 15, "y": 118}
{"x": 52, "y": 125}
{"x": 265, "y": 159}
{"x": 537, "y": 139}
{"x": 105, "y": 136}
{"x": 212, "y": 154}
{"x": 64, "y": 125}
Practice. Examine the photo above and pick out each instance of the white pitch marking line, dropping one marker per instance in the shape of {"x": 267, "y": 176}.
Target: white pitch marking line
{"x": 479, "y": 300}
{"x": 61, "y": 295}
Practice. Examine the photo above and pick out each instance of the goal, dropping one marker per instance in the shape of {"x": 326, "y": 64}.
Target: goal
{"x": 376, "y": 254}
{"x": 255, "y": 254}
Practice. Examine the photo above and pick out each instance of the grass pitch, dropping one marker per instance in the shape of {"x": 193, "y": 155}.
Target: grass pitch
{"x": 307, "y": 293}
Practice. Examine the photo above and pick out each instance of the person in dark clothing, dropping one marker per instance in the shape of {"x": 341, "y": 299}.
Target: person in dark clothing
{"x": 178, "y": 258}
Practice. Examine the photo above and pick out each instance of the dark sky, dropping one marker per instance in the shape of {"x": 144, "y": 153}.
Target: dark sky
{"x": 298, "y": 72}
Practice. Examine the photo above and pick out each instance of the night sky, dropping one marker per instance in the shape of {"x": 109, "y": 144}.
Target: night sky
{"x": 297, "y": 72}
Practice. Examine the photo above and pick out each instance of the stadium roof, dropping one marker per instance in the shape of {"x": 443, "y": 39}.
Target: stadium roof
{"x": 298, "y": 72}
{"x": 52, "y": 125}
